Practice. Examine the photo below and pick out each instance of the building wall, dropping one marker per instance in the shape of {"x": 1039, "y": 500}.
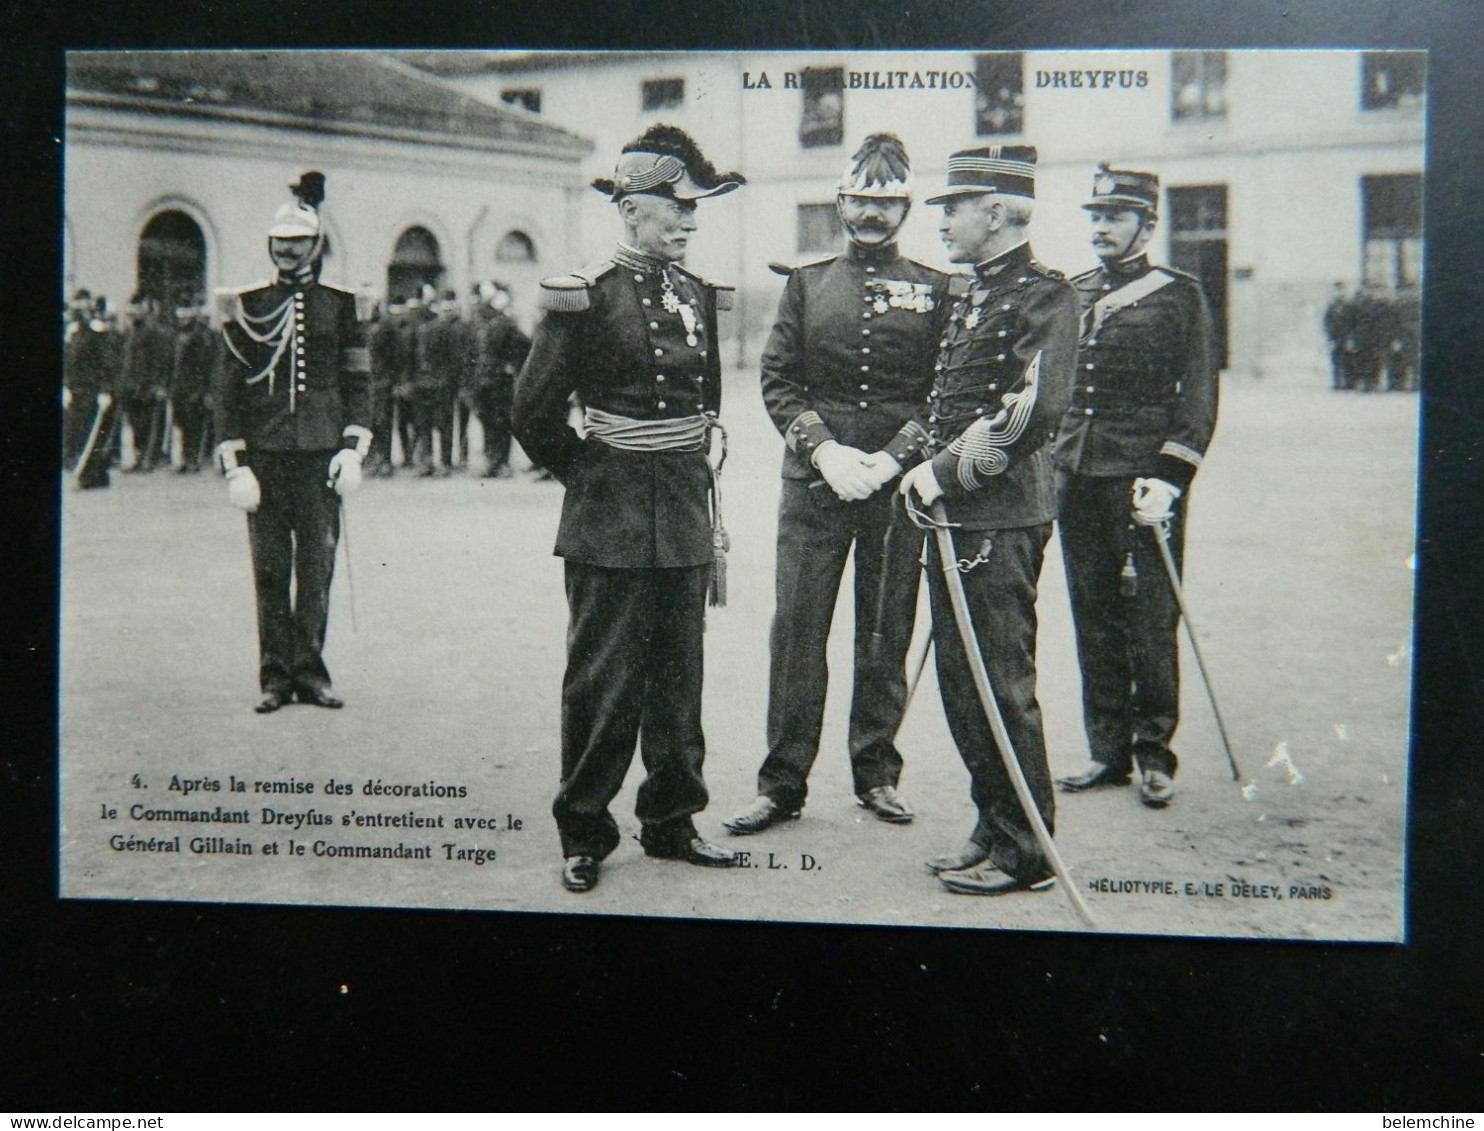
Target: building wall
{"x": 1291, "y": 150}
{"x": 124, "y": 167}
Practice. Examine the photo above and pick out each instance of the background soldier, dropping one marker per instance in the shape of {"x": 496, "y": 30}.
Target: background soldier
{"x": 149, "y": 354}
{"x": 1135, "y": 436}
{"x": 293, "y": 388}
{"x": 499, "y": 351}
{"x": 844, "y": 375}
{"x": 635, "y": 338}
{"x": 91, "y": 362}
{"x": 1337, "y": 330}
{"x": 384, "y": 341}
{"x": 437, "y": 350}
{"x": 1003, "y": 379}
{"x": 190, "y": 382}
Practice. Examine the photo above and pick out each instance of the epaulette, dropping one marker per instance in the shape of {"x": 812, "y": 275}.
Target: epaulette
{"x": 925, "y": 266}
{"x": 568, "y": 293}
{"x": 336, "y": 287}
{"x": 229, "y": 300}
{"x": 1050, "y": 272}
{"x": 724, "y": 291}
{"x": 785, "y": 270}
{"x": 959, "y": 284}
{"x": 1176, "y": 273}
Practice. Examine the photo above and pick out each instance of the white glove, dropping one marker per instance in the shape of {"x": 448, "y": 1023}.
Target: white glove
{"x": 1152, "y": 501}
{"x": 105, "y": 399}
{"x": 66, "y": 397}
{"x": 883, "y": 468}
{"x": 243, "y": 490}
{"x": 845, "y": 470}
{"x": 345, "y": 471}
{"x": 922, "y": 480}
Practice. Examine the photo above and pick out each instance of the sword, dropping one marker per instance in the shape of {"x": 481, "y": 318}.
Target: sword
{"x": 948, "y": 562}
{"x": 1161, "y": 531}
{"x": 99, "y": 411}
{"x": 350, "y": 579}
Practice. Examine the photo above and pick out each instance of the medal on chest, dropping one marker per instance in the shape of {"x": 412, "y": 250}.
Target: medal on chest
{"x": 671, "y": 302}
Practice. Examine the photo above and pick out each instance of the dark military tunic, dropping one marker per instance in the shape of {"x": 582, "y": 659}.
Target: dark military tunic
{"x": 91, "y": 360}
{"x": 149, "y": 354}
{"x": 1144, "y": 405}
{"x": 850, "y": 359}
{"x": 635, "y": 532}
{"x": 498, "y": 351}
{"x": 438, "y": 358}
{"x": 190, "y": 383}
{"x": 294, "y": 379}
{"x": 1003, "y": 380}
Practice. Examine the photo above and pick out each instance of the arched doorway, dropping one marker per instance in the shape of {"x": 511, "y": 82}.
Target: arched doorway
{"x": 171, "y": 265}
{"x": 415, "y": 261}
{"x": 515, "y": 247}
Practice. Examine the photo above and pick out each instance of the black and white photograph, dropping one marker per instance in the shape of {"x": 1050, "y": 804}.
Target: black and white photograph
{"x": 949, "y": 489}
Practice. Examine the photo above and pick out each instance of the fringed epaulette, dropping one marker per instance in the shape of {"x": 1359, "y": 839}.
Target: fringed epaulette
{"x": 1050, "y": 272}
{"x": 725, "y": 292}
{"x": 568, "y": 293}
{"x": 229, "y": 301}
{"x": 1176, "y": 273}
{"x": 786, "y": 270}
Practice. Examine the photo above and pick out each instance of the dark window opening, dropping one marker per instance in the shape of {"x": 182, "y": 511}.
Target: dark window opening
{"x": 662, "y": 94}
{"x": 515, "y": 247}
{"x": 1392, "y": 219}
{"x": 823, "y": 121}
{"x": 999, "y": 105}
{"x": 416, "y": 262}
{"x": 528, "y": 98}
{"x": 1198, "y": 86}
{"x": 1393, "y": 79}
{"x": 171, "y": 265}
{"x": 1198, "y": 244}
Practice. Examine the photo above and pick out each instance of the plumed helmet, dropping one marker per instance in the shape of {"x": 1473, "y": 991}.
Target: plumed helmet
{"x": 665, "y": 161}
{"x": 880, "y": 168}
{"x": 299, "y": 218}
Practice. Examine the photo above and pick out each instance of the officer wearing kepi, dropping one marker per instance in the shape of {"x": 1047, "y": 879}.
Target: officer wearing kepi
{"x": 293, "y": 404}
{"x": 1003, "y": 378}
{"x": 844, "y": 376}
{"x": 1142, "y": 413}
{"x": 634, "y": 338}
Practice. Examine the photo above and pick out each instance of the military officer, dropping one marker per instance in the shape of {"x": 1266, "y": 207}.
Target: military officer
{"x": 844, "y": 375}
{"x": 293, "y": 405}
{"x": 91, "y": 362}
{"x": 1003, "y": 379}
{"x": 634, "y": 338}
{"x": 190, "y": 381}
{"x": 437, "y": 352}
{"x": 1143, "y": 410}
{"x": 499, "y": 350}
{"x": 148, "y": 357}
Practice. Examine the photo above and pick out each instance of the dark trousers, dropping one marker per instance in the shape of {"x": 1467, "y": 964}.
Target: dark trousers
{"x": 144, "y": 413}
{"x": 634, "y": 669}
{"x": 1001, "y": 595}
{"x": 191, "y": 415}
{"x": 383, "y": 412}
{"x": 92, "y": 471}
{"x": 815, "y": 534}
{"x": 1126, "y": 645}
{"x": 293, "y": 535}
{"x": 432, "y": 408}
{"x": 493, "y": 410}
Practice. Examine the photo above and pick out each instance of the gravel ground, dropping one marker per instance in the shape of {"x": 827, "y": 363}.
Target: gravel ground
{"x": 1299, "y": 574}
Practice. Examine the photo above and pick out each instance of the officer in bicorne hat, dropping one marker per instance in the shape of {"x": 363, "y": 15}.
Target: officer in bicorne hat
{"x": 1143, "y": 411}
{"x": 1003, "y": 377}
{"x": 634, "y": 338}
{"x": 844, "y": 375}
{"x": 293, "y": 410}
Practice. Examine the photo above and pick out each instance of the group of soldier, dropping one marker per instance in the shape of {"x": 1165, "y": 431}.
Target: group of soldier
{"x": 980, "y": 407}
{"x": 435, "y": 368}
{"x": 1374, "y": 339}
{"x": 151, "y": 372}
{"x": 947, "y": 419}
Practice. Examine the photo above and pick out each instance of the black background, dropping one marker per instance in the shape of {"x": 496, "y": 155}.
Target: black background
{"x": 120, "y": 1007}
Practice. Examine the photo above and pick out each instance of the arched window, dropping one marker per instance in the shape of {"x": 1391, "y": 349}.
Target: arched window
{"x": 515, "y": 247}
{"x": 172, "y": 260}
{"x": 415, "y": 261}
